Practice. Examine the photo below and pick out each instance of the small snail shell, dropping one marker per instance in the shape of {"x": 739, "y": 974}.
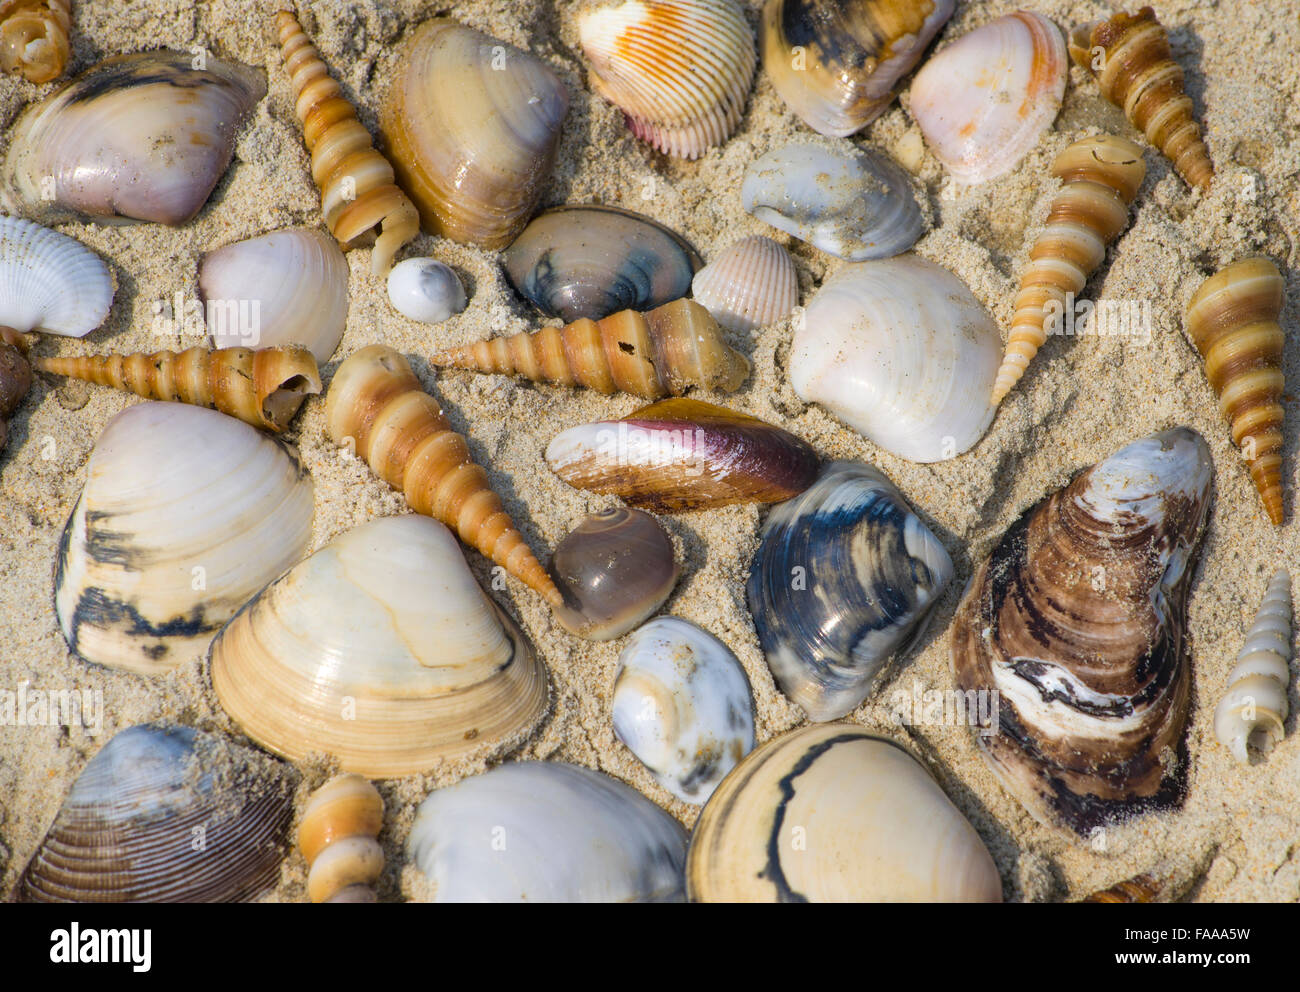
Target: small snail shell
{"x": 337, "y": 839}
{"x": 1256, "y": 702}
{"x": 1140, "y": 888}
{"x": 34, "y": 38}
{"x": 426, "y": 290}
{"x": 262, "y": 388}
{"x": 651, "y": 355}
{"x": 1100, "y": 177}
{"x": 358, "y": 190}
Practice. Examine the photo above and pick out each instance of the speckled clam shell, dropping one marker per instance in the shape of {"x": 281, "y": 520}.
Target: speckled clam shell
{"x": 835, "y": 814}
{"x": 184, "y": 515}
{"x": 902, "y": 352}
{"x": 164, "y": 813}
{"x": 284, "y": 288}
{"x": 380, "y": 650}
{"x": 50, "y": 282}
{"x": 751, "y": 284}
{"x": 986, "y": 100}
{"x": 136, "y": 137}
{"x": 1077, "y": 621}
{"x": 591, "y": 261}
{"x": 836, "y": 62}
{"x": 546, "y": 831}
{"x": 845, "y": 578}
{"x": 680, "y": 70}
{"x": 682, "y": 705}
{"x": 851, "y": 202}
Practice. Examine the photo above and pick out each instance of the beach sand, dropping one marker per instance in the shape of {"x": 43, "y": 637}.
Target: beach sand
{"x": 1238, "y": 836}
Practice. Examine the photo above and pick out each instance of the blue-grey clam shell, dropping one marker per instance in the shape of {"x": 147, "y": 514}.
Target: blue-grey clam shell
{"x": 845, "y": 577}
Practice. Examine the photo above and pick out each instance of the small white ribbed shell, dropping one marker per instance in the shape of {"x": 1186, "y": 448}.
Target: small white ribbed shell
{"x": 50, "y": 282}
{"x": 751, "y": 284}
{"x": 679, "y": 69}
{"x": 286, "y": 287}
{"x": 1256, "y": 702}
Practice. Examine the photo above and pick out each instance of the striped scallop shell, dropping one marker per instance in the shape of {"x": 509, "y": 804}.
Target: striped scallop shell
{"x": 678, "y": 69}
{"x": 50, "y": 282}
{"x": 752, "y": 284}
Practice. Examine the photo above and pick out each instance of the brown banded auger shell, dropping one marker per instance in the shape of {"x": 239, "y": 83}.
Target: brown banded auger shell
{"x": 1140, "y": 888}
{"x": 337, "y": 839}
{"x": 34, "y": 38}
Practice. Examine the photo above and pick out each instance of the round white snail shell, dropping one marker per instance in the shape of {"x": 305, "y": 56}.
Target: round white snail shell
{"x": 426, "y": 290}
{"x": 682, "y": 705}
{"x": 185, "y": 514}
{"x": 751, "y": 284}
{"x": 50, "y": 282}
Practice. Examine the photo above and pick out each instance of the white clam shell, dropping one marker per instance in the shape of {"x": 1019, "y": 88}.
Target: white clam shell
{"x": 50, "y": 282}
{"x": 682, "y": 705}
{"x": 903, "y": 353}
{"x": 852, "y": 202}
{"x": 751, "y": 284}
{"x": 544, "y": 831}
{"x": 426, "y": 290}
{"x": 283, "y": 288}
{"x": 185, "y": 514}
{"x": 984, "y": 102}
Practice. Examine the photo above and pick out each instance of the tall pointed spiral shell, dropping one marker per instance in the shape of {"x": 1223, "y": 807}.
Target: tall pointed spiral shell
{"x": 50, "y": 282}
{"x": 337, "y": 839}
{"x": 164, "y": 813}
{"x": 1233, "y": 321}
{"x": 1131, "y": 58}
{"x": 401, "y": 432}
{"x": 357, "y": 187}
{"x": 34, "y": 38}
{"x": 1077, "y": 620}
{"x": 1100, "y": 177}
{"x": 660, "y": 353}
{"x": 1256, "y": 700}
{"x": 680, "y": 70}
{"x": 263, "y": 388}
{"x": 751, "y": 284}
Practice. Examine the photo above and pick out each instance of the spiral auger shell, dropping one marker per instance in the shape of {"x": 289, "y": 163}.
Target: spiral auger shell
{"x": 1138, "y": 75}
{"x": 263, "y": 388}
{"x": 34, "y": 38}
{"x": 1256, "y": 701}
{"x": 337, "y": 837}
{"x": 652, "y": 355}
{"x": 1100, "y": 177}
{"x": 401, "y": 432}
{"x": 357, "y": 184}
{"x": 1233, "y": 321}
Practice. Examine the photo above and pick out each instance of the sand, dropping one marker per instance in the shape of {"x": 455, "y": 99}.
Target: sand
{"x": 1236, "y": 837}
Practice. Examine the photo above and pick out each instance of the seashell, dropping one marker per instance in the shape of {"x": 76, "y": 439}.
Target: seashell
{"x": 382, "y": 651}
{"x": 1140, "y": 888}
{"x": 34, "y": 38}
{"x": 984, "y": 102}
{"x": 614, "y": 570}
{"x": 1255, "y": 704}
{"x": 50, "y": 282}
{"x": 750, "y": 285}
{"x": 15, "y": 380}
{"x": 400, "y": 431}
{"x": 854, "y": 203}
{"x": 1131, "y": 58}
{"x": 835, "y": 814}
{"x": 1099, "y": 179}
{"x": 591, "y": 261}
{"x": 426, "y": 290}
{"x": 283, "y": 288}
{"x": 473, "y": 156}
{"x": 902, "y": 352}
{"x": 836, "y": 62}
{"x": 356, "y": 183}
{"x": 1233, "y": 321}
{"x": 136, "y": 137}
{"x": 185, "y": 514}
{"x": 846, "y": 577}
{"x": 545, "y": 831}
{"x": 1077, "y": 622}
{"x": 164, "y": 813}
{"x": 651, "y": 355}
{"x": 684, "y": 454}
{"x": 263, "y": 388}
{"x": 337, "y": 839}
{"x": 682, "y": 705}
{"x": 680, "y": 70}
